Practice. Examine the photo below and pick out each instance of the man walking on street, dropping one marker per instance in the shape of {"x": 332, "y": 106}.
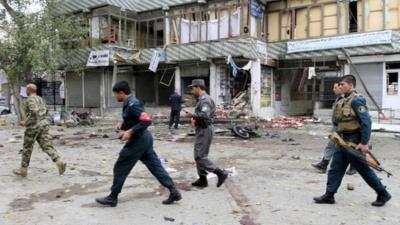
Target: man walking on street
{"x": 139, "y": 146}
{"x": 202, "y": 119}
{"x": 37, "y": 125}
{"x": 354, "y": 125}
{"x": 330, "y": 147}
{"x": 176, "y": 106}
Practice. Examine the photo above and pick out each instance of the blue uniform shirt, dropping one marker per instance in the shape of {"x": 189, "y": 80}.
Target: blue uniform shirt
{"x": 135, "y": 117}
{"x": 360, "y": 108}
{"x": 176, "y": 101}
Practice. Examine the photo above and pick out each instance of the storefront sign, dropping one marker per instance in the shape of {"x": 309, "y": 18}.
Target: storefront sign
{"x": 99, "y": 58}
{"x": 345, "y": 41}
{"x": 155, "y": 60}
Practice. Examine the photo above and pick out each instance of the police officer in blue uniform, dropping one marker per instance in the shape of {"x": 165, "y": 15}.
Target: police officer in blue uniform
{"x": 176, "y": 106}
{"x": 330, "y": 147}
{"x": 139, "y": 146}
{"x": 353, "y": 123}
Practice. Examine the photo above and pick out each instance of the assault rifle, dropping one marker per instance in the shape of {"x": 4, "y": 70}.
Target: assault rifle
{"x": 367, "y": 158}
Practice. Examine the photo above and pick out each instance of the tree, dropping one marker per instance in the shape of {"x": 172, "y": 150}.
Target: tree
{"x": 38, "y": 42}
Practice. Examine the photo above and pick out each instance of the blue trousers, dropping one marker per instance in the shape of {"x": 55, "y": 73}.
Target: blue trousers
{"x": 133, "y": 151}
{"x": 341, "y": 159}
{"x": 329, "y": 150}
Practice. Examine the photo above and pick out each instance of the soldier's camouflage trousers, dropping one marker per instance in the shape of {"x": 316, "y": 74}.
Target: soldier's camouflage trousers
{"x": 42, "y": 136}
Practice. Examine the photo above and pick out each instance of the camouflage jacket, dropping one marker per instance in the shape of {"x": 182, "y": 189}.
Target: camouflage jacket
{"x": 36, "y": 112}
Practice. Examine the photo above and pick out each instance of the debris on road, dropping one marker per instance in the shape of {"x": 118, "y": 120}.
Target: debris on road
{"x": 296, "y": 157}
{"x": 169, "y": 219}
{"x": 12, "y": 140}
{"x": 350, "y": 187}
{"x": 289, "y": 122}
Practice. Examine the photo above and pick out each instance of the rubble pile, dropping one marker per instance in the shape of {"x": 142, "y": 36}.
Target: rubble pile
{"x": 237, "y": 110}
{"x": 289, "y": 122}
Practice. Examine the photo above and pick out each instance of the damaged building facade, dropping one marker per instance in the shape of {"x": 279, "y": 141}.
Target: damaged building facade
{"x": 316, "y": 41}
{"x": 222, "y": 42}
{"x": 272, "y": 57}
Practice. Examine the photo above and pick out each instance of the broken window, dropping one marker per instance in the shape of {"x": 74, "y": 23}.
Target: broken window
{"x": 209, "y": 25}
{"x": 392, "y": 83}
{"x": 353, "y": 15}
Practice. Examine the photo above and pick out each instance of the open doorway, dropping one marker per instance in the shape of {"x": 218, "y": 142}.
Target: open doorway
{"x": 353, "y": 23}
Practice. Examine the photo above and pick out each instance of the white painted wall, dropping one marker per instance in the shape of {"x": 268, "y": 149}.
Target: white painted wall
{"x": 256, "y": 87}
{"x": 268, "y": 112}
{"x": 390, "y": 101}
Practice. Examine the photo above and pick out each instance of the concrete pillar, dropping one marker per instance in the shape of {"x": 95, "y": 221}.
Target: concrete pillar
{"x": 256, "y": 87}
{"x": 346, "y": 69}
{"x": 83, "y": 90}
{"x": 214, "y": 83}
{"x": 156, "y": 88}
{"x": 102, "y": 93}
{"x": 178, "y": 87}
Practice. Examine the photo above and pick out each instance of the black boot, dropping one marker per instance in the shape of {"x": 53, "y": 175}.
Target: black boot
{"x": 321, "y": 166}
{"x": 327, "y": 198}
{"x": 381, "y": 199}
{"x": 201, "y": 182}
{"x": 174, "y": 196}
{"x": 222, "y": 175}
{"x": 111, "y": 200}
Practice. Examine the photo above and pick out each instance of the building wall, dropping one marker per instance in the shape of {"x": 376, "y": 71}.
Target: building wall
{"x": 145, "y": 87}
{"x": 87, "y": 85}
{"x": 372, "y": 75}
{"x": 315, "y": 18}
{"x": 73, "y": 85}
{"x": 92, "y": 88}
{"x": 121, "y": 76}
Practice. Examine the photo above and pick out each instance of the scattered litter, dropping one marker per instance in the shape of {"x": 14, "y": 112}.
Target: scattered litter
{"x": 104, "y": 161}
{"x": 18, "y": 136}
{"x": 60, "y": 129}
{"x": 312, "y": 133}
{"x": 169, "y": 219}
{"x": 12, "y": 140}
{"x": 276, "y": 210}
{"x": 83, "y": 186}
{"x": 1, "y": 146}
{"x": 232, "y": 172}
{"x": 105, "y": 136}
{"x": 170, "y": 170}
{"x": 272, "y": 135}
{"x": 350, "y": 187}
{"x": 158, "y": 193}
{"x": 67, "y": 190}
{"x": 236, "y": 211}
{"x": 288, "y": 122}
{"x": 296, "y": 157}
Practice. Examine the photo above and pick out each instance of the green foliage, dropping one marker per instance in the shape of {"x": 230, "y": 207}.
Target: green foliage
{"x": 38, "y": 41}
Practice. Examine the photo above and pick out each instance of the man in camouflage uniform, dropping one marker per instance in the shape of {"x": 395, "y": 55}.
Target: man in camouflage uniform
{"x": 37, "y": 129}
